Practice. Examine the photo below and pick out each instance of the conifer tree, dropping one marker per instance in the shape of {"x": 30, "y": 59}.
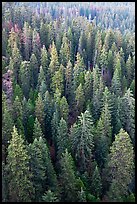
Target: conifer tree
{"x": 128, "y": 113}
{"x": 103, "y": 136}
{"x": 67, "y": 178}
{"x": 20, "y": 185}
{"x": 48, "y": 110}
{"x": 78, "y": 71}
{"x": 50, "y": 196}
{"x": 54, "y": 63}
{"x": 45, "y": 62}
{"x": 16, "y": 62}
{"x": 25, "y": 77}
{"x": 34, "y": 68}
{"x": 37, "y": 132}
{"x": 62, "y": 138}
{"x": 27, "y": 40}
{"x": 88, "y": 85}
{"x": 80, "y": 98}
{"x": 41, "y": 78}
{"x": 82, "y": 140}
{"x": 17, "y": 113}
{"x": 69, "y": 83}
{"x": 39, "y": 111}
{"x": 64, "y": 51}
{"x": 64, "y": 108}
{"x": 58, "y": 81}
{"x": 116, "y": 83}
{"x": 36, "y": 44}
{"x": 18, "y": 92}
{"x": 96, "y": 183}
{"x": 121, "y": 166}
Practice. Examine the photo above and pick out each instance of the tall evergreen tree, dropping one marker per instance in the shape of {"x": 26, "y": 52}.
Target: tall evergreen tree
{"x": 17, "y": 113}
{"x": 64, "y": 51}
{"x": 79, "y": 98}
{"x": 34, "y": 68}
{"x": 62, "y": 138}
{"x": 39, "y": 111}
{"x": 103, "y": 137}
{"x": 82, "y": 140}
{"x": 37, "y": 132}
{"x": 67, "y": 178}
{"x": 64, "y": 108}
{"x": 69, "y": 93}
{"x": 42, "y": 169}
{"x": 25, "y": 77}
{"x": 20, "y": 185}
{"x": 54, "y": 63}
{"x": 121, "y": 165}
{"x": 78, "y": 71}
{"x": 96, "y": 183}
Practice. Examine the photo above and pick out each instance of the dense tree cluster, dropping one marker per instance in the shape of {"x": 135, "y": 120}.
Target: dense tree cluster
{"x": 68, "y": 101}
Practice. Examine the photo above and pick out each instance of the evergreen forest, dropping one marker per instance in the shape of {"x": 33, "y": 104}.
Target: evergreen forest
{"x": 68, "y": 101}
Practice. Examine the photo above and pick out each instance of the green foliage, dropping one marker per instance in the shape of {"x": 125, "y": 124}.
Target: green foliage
{"x": 50, "y": 196}
{"x": 67, "y": 178}
{"x": 80, "y": 98}
{"x": 19, "y": 175}
{"x": 39, "y": 111}
{"x": 121, "y": 165}
{"x": 25, "y": 77}
{"x": 34, "y": 68}
{"x": 64, "y": 51}
{"x": 96, "y": 183}
{"x": 62, "y": 138}
{"x": 82, "y": 140}
{"x": 64, "y": 108}
{"x": 17, "y": 113}
{"x": 43, "y": 175}
{"x": 54, "y": 64}
{"x": 37, "y": 132}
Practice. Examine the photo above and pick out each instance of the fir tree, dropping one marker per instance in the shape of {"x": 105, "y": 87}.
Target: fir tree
{"x": 20, "y": 185}
{"x": 82, "y": 140}
{"x": 120, "y": 166}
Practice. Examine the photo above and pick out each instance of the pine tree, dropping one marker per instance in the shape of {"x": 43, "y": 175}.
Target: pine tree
{"x": 25, "y": 77}
{"x": 39, "y": 111}
{"x": 54, "y": 63}
{"x": 43, "y": 174}
{"x": 116, "y": 83}
{"x": 50, "y": 196}
{"x": 58, "y": 81}
{"x": 110, "y": 60}
{"x": 48, "y": 110}
{"x": 20, "y": 186}
{"x": 27, "y": 40}
{"x": 18, "y": 115}
{"x": 82, "y": 140}
{"x": 45, "y": 62}
{"x": 36, "y": 44}
{"x": 16, "y": 62}
{"x": 67, "y": 178}
{"x": 62, "y": 138}
{"x": 128, "y": 114}
{"x": 80, "y": 98}
{"x": 103, "y": 137}
{"x": 96, "y": 183}
{"x": 129, "y": 70}
{"x": 64, "y": 51}
{"x": 64, "y": 108}
{"x": 121, "y": 165}
{"x": 88, "y": 85}
{"x": 34, "y": 68}
{"x": 41, "y": 78}
{"x": 78, "y": 71}
{"x": 37, "y": 132}
{"x": 69, "y": 93}
{"x": 18, "y": 92}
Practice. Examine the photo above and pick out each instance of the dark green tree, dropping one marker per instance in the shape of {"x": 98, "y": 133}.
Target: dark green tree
{"x": 121, "y": 166}
{"x": 82, "y": 141}
{"x": 19, "y": 175}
